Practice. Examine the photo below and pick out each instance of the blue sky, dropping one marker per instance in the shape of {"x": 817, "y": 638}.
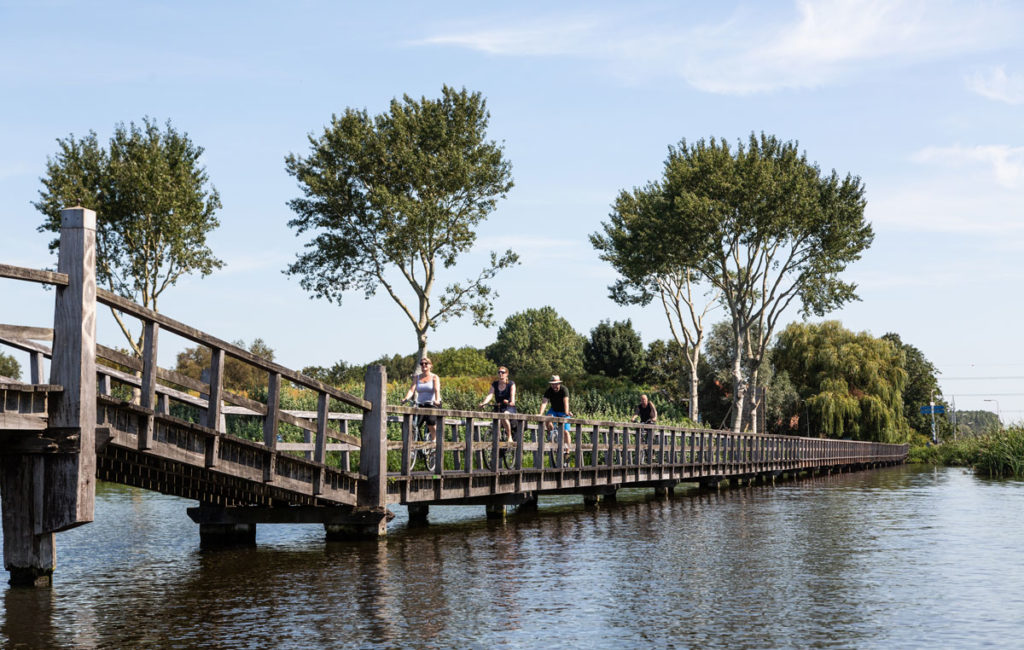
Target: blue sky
{"x": 923, "y": 100}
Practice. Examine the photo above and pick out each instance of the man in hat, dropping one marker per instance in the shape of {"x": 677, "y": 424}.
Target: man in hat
{"x": 558, "y": 397}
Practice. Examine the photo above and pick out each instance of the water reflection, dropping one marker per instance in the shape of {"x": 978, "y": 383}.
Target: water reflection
{"x": 903, "y": 557}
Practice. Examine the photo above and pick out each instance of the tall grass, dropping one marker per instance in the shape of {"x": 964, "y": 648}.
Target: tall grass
{"x": 997, "y": 455}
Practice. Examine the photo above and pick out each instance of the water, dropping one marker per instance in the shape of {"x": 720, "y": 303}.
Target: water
{"x": 904, "y": 557}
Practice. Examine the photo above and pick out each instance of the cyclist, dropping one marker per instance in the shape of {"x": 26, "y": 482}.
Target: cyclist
{"x": 503, "y": 392}
{"x": 427, "y": 387}
{"x": 645, "y": 411}
{"x": 558, "y": 396}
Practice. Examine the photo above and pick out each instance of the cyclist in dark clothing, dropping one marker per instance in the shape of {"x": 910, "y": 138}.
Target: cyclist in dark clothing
{"x": 503, "y": 391}
{"x": 558, "y": 396}
{"x": 645, "y": 412}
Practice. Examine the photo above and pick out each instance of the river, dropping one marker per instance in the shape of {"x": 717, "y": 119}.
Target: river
{"x": 904, "y": 557}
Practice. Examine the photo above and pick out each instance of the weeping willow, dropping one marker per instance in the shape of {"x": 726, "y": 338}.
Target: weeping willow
{"x": 850, "y": 383}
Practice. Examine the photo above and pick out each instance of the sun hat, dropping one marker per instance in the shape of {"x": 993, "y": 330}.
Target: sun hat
{"x": 555, "y": 379}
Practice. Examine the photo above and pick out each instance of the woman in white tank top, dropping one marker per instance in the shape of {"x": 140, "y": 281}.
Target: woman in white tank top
{"x": 427, "y": 388}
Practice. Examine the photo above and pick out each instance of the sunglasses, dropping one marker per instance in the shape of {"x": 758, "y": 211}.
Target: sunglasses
{"x": 503, "y": 372}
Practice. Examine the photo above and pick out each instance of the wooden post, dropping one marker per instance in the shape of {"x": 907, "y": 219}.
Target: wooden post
{"x": 213, "y": 400}
{"x": 70, "y": 489}
{"x": 46, "y": 494}
{"x": 148, "y": 390}
{"x": 36, "y": 368}
{"x": 373, "y": 452}
{"x": 270, "y": 425}
{"x": 370, "y": 519}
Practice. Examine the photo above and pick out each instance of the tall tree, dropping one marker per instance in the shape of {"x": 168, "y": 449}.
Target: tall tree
{"x": 647, "y": 270}
{"x": 397, "y": 197}
{"x": 851, "y": 383}
{"x": 922, "y": 388}
{"x": 154, "y": 209}
{"x": 765, "y": 228}
{"x": 538, "y": 342}
{"x": 614, "y": 350}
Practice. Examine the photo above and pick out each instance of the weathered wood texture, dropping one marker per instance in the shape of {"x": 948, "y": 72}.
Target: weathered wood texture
{"x": 373, "y": 457}
{"x": 69, "y": 497}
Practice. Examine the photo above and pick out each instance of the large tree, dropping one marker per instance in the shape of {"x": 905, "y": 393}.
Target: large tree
{"x": 922, "y": 388}
{"x": 614, "y": 350}
{"x": 648, "y": 270}
{"x": 765, "y": 228}
{"x": 239, "y": 376}
{"x": 538, "y": 342}
{"x": 851, "y": 384}
{"x": 397, "y": 197}
{"x": 154, "y": 208}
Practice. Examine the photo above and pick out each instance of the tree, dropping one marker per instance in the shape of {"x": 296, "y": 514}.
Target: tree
{"x": 647, "y": 269}
{"x": 466, "y": 361}
{"x": 9, "y": 367}
{"x": 538, "y": 342}
{"x": 239, "y": 376}
{"x": 764, "y": 227}
{"x": 614, "y": 350}
{"x": 154, "y": 209}
{"x": 401, "y": 192}
{"x": 851, "y": 383}
{"x": 921, "y": 389}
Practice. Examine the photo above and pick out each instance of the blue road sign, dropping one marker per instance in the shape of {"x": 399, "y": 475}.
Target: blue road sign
{"x": 928, "y": 410}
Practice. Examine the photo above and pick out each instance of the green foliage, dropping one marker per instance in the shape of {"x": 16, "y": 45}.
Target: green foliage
{"x": 401, "y": 191}
{"x": 759, "y": 223}
{"x": 9, "y": 367}
{"x": 922, "y": 386}
{"x": 537, "y": 343}
{"x": 996, "y": 455}
{"x": 154, "y": 207}
{"x": 614, "y": 350}
{"x": 852, "y": 384}
{"x": 239, "y": 376}
{"x": 465, "y": 361}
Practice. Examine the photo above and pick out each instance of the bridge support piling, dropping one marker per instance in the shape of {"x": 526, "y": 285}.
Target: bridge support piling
{"x": 226, "y": 535}
{"x": 497, "y": 511}
{"x": 419, "y": 514}
{"x": 373, "y": 462}
{"x": 362, "y": 524}
{"x": 29, "y": 557}
{"x": 45, "y": 493}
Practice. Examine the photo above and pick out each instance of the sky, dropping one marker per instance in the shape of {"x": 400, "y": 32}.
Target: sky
{"x": 924, "y": 101}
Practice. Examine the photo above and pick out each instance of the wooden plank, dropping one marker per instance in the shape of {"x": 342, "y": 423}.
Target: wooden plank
{"x": 24, "y": 332}
{"x": 12, "y": 421}
{"x": 24, "y": 345}
{"x": 33, "y": 275}
{"x": 216, "y": 389}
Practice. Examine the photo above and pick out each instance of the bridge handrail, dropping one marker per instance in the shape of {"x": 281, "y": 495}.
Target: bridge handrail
{"x": 41, "y": 276}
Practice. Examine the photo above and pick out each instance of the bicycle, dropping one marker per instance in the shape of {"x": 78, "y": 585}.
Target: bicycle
{"x": 506, "y": 446}
{"x": 556, "y": 441}
{"x": 419, "y": 435}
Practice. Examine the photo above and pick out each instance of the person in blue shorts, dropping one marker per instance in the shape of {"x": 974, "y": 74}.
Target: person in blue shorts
{"x": 558, "y": 397}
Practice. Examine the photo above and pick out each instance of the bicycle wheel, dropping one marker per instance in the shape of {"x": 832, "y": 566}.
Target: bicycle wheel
{"x": 484, "y": 458}
{"x": 507, "y": 453}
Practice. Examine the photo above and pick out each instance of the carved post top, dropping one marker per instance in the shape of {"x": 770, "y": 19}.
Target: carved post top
{"x": 78, "y": 217}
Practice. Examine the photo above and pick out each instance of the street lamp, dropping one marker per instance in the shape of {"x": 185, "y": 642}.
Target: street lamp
{"x": 998, "y": 417}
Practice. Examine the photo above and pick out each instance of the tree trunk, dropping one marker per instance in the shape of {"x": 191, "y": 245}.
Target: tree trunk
{"x": 694, "y": 393}
{"x": 739, "y": 394}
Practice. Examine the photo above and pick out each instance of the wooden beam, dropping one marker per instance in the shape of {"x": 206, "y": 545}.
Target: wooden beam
{"x": 23, "y": 332}
{"x": 34, "y": 275}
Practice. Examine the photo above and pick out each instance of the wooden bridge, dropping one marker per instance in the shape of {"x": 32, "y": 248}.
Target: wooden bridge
{"x": 106, "y": 415}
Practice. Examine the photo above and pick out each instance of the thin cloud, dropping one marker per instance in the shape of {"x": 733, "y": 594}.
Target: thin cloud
{"x": 1005, "y": 163}
{"x": 997, "y": 85}
{"x": 820, "y": 42}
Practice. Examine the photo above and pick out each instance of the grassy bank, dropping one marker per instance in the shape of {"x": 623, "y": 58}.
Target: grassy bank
{"x": 995, "y": 455}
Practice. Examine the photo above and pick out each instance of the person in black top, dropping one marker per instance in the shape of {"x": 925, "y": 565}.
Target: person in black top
{"x": 646, "y": 412}
{"x": 503, "y": 391}
{"x": 558, "y": 396}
